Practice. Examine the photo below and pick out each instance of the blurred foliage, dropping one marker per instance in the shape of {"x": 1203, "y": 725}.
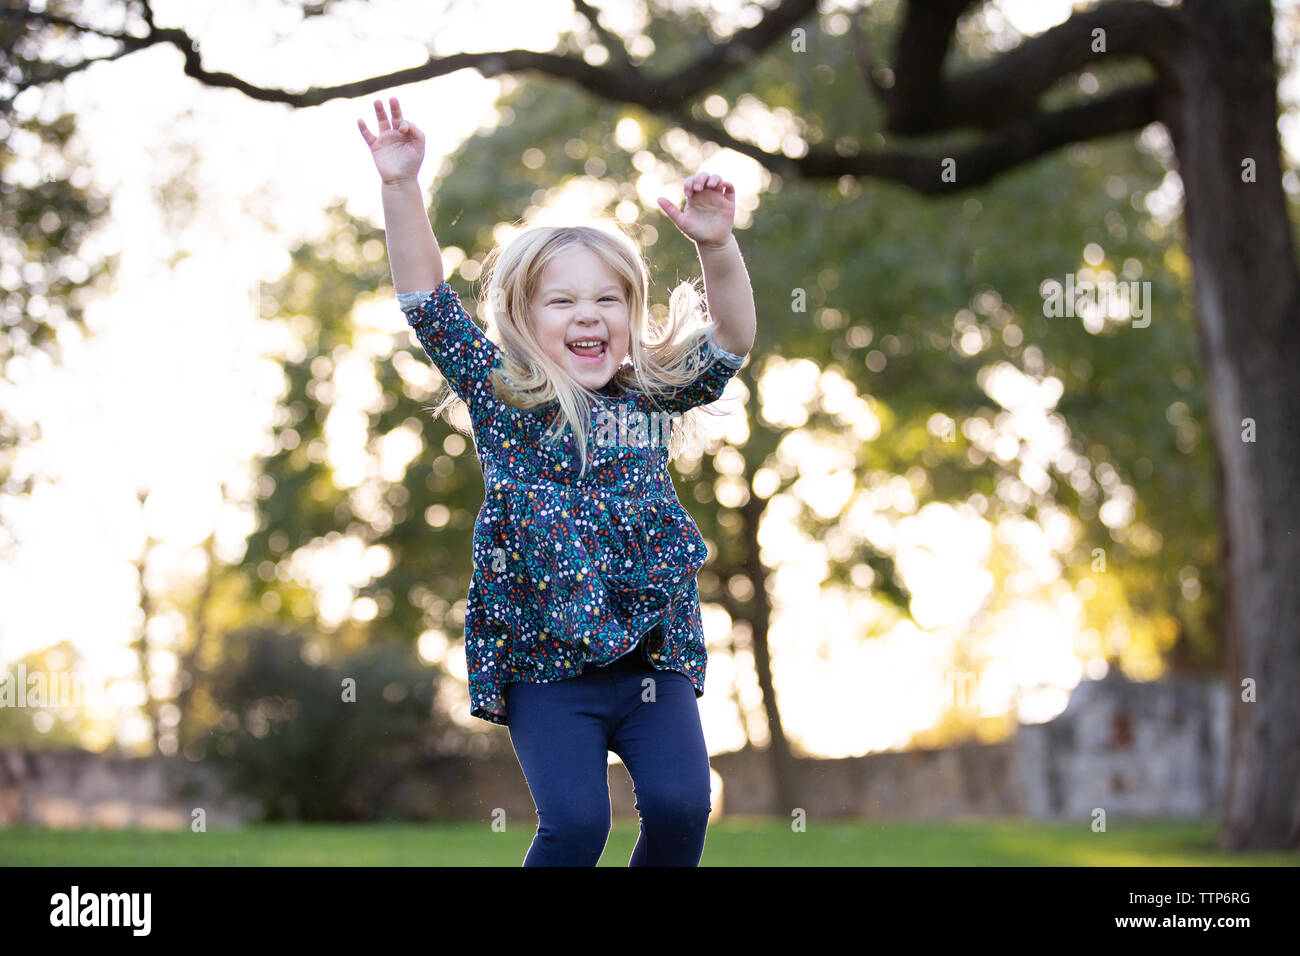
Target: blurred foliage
{"x": 49, "y": 210}
{"x": 48, "y": 703}
{"x": 299, "y": 501}
{"x": 910, "y": 300}
{"x": 289, "y": 738}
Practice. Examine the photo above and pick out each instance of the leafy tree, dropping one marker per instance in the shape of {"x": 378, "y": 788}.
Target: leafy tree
{"x": 319, "y": 740}
{"x": 864, "y": 261}
{"x": 48, "y": 212}
{"x": 1207, "y": 75}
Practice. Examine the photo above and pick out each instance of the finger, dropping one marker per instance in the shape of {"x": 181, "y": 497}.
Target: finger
{"x": 383, "y": 118}
{"x": 670, "y": 210}
{"x": 728, "y": 189}
{"x": 365, "y": 133}
{"x": 713, "y": 181}
{"x": 395, "y": 109}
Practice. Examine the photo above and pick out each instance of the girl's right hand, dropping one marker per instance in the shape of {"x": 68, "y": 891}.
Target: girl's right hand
{"x": 398, "y": 149}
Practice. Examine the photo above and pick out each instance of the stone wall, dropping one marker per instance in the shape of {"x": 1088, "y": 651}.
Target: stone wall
{"x": 77, "y": 788}
{"x": 1134, "y": 749}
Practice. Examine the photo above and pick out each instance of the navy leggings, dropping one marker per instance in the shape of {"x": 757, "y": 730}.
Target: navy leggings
{"x": 561, "y": 732}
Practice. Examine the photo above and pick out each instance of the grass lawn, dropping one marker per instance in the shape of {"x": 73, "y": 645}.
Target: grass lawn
{"x": 733, "y": 841}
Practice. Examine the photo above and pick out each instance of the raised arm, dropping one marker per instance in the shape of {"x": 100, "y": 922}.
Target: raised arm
{"x": 398, "y": 150}
{"x": 706, "y": 219}
{"x": 728, "y": 292}
{"x": 413, "y": 253}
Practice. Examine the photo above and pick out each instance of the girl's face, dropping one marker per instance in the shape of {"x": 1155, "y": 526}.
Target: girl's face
{"x": 580, "y": 298}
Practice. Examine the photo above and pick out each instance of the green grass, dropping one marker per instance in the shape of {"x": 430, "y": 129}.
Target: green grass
{"x": 731, "y": 842}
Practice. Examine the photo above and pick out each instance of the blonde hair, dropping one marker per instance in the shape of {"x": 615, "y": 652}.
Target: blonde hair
{"x": 528, "y": 378}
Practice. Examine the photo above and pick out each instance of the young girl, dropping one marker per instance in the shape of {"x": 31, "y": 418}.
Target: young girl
{"x": 582, "y": 628}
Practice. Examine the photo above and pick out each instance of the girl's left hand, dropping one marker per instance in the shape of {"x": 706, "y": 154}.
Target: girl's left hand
{"x": 708, "y": 212}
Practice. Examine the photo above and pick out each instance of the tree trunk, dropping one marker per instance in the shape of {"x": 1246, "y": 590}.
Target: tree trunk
{"x": 1222, "y": 112}
{"x": 194, "y": 658}
{"x": 781, "y": 762}
{"x": 151, "y": 707}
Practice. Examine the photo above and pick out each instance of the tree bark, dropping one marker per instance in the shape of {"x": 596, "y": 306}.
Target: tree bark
{"x": 781, "y": 761}
{"x": 152, "y": 706}
{"x": 1224, "y": 112}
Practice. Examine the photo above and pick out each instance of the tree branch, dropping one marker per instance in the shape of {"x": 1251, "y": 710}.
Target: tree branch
{"x": 988, "y": 96}
{"x": 1012, "y": 145}
{"x": 721, "y": 58}
{"x": 999, "y": 97}
{"x": 616, "y": 47}
{"x": 54, "y": 20}
{"x": 603, "y": 82}
{"x": 623, "y": 83}
{"x": 919, "y": 54}
{"x": 862, "y": 57}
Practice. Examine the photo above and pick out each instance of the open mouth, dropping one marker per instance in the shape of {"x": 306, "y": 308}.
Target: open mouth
{"x": 588, "y": 350}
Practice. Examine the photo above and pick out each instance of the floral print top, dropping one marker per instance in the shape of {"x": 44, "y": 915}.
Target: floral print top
{"x": 569, "y": 570}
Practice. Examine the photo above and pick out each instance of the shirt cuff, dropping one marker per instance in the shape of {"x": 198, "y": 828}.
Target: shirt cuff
{"x": 730, "y": 358}
{"x": 407, "y": 299}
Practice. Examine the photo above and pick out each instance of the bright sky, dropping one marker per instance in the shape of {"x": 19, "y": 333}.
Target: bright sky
{"x": 174, "y": 391}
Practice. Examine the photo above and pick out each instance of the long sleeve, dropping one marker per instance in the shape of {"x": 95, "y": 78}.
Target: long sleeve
{"x": 458, "y": 348}
{"x": 718, "y": 368}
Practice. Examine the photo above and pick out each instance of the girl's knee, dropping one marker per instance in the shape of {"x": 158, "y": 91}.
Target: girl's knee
{"x": 679, "y": 809}
{"x": 574, "y": 827}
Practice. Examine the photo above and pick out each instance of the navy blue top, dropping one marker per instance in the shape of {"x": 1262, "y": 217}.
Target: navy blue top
{"x": 569, "y": 570}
